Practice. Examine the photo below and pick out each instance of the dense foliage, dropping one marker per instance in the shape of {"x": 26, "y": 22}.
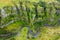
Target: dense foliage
{"x": 29, "y": 17}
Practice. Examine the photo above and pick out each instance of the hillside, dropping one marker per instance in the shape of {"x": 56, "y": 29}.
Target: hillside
{"x": 29, "y": 20}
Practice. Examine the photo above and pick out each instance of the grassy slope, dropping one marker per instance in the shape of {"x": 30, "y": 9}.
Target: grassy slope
{"x": 47, "y": 33}
{"x": 5, "y": 3}
{"x": 9, "y": 2}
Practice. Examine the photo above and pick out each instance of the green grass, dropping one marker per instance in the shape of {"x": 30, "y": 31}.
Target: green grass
{"x": 13, "y": 27}
{"x": 10, "y": 2}
{"x": 46, "y": 33}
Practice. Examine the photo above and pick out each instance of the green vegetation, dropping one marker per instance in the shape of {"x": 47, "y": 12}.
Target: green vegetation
{"x": 30, "y": 20}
